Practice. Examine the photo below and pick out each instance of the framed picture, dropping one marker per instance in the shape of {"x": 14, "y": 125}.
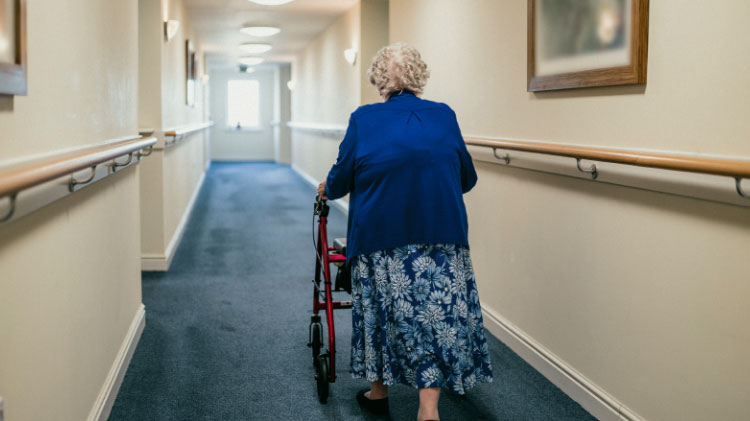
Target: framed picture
{"x": 190, "y": 73}
{"x": 585, "y": 43}
{"x": 13, "y": 47}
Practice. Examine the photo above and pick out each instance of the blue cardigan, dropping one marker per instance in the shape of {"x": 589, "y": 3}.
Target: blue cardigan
{"x": 406, "y": 166}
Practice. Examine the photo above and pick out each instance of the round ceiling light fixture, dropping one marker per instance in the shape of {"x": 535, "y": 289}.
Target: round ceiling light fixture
{"x": 252, "y": 48}
{"x": 260, "y": 31}
{"x": 251, "y": 61}
{"x": 271, "y": 2}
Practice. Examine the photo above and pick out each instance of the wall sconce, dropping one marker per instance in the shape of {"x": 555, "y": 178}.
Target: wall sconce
{"x": 291, "y": 84}
{"x": 170, "y": 29}
{"x": 350, "y": 54}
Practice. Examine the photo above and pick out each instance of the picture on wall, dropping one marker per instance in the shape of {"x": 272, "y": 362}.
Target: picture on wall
{"x": 13, "y": 47}
{"x": 190, "y": 73}
{"x": 585, "y": 43}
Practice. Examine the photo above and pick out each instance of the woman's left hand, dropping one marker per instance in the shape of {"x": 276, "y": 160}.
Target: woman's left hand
{"x": 322, "y": 191}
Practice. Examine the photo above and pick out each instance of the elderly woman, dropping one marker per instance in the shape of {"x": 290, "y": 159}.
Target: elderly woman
{"x": 416, "y": 314}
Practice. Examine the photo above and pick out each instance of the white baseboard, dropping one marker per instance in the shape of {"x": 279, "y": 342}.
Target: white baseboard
{"x": 590, "y": 396}
{"x": 108, "y": 392}
{"x": 161, "y": 262}
{"x": 340, "y": 204}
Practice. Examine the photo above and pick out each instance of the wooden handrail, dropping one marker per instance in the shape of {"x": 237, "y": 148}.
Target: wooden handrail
{"x": 188, "y": 129}
{"x": 21, "y": 178}
{"x": 732, "y": 168}
{"x": 333, "y": 129}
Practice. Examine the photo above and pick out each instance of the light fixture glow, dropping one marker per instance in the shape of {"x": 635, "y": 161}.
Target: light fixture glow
{"x": 251, "y": 61}
{"x": 249, "y": 69}
{"x": 350, "y": 54}
{"x": 271, "y": 2}
{"x": 251, "y": 48}
{"x": 260, "y": 31}
{"x": 170, "y": 29}
{"x": 291, "y": 84}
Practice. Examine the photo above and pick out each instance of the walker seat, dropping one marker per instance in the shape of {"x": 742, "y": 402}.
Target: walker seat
{"x": 340, "y": 245}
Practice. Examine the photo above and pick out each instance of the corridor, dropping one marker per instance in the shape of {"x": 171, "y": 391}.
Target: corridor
{"x": 227, "y": 326}
{"x": 546, "y": 205}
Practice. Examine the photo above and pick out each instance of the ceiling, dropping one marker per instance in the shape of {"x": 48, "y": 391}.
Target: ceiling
{"x": 217, "y": 24}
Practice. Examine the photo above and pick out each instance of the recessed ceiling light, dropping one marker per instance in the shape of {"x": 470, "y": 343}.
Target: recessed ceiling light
{"x": 251, "y": 61}
{"x": 260, "y": 31}
{"x": 251, "y": 48}
{"x": 271, "y": 2}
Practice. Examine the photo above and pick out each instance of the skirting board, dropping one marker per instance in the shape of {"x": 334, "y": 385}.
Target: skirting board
{"x": 582, "y": 390}
{"x": 108, "y": 393}
{"x": 343, "y": 206}
{"x": 161, "y": 262}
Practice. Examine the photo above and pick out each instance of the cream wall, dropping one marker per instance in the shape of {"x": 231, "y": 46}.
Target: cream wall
{"x": 171, "y": 178}
{"x": 373, "y": 37}
{"x": 640, "y": 292}
{"x": 70, "y": 283}
{"x": 282, "y": 135}
{"x": 328, "y": 89}
{"x": 175, "y": 111}
{"x": 229, "y": 144}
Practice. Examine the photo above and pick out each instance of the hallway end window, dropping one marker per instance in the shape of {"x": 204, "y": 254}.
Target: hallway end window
{"x": 243, "y": 104}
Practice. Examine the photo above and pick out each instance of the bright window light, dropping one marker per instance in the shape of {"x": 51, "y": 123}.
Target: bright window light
{"x": 260, "y": 31}
{"x": 243, "y": 104}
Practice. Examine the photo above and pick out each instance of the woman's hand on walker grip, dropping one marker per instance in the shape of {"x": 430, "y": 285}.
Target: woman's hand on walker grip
{"x": 322, "y": 191}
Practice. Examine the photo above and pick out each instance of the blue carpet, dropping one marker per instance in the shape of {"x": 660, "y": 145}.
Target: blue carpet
{"x": 227, "y": 326}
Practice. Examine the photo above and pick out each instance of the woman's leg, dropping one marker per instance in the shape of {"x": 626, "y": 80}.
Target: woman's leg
{"x": 377, "y": 390}
{"x": 428, "y": 404}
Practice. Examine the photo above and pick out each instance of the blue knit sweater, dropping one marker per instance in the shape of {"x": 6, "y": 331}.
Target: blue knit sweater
{"x": 406, "y": 166}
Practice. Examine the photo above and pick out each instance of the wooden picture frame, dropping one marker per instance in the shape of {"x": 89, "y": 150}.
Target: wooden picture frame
{"x": 632, "y": 70}
{"x": 13, "y": 79}
{"x": 190, "y": 73}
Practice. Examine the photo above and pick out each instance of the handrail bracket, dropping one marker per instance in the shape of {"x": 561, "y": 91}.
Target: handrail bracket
{"x": 505, "y": 158}
{"x": 73, "y": 182}
{"x": 738, "y": 185}
{"x": 11, "y": 208}
{"x": 150, "y": 150}
{"x": 116, "y": 164}
{"x": 591, "y": 170}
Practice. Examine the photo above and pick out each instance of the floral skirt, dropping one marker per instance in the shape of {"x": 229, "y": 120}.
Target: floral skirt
{"x": 416, "y": 318}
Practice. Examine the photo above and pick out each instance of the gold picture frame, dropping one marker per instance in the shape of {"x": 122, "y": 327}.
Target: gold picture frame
{"x": 580, "y": 44}
{"x": 190, "y": 73}
{"x": 13, "y": 80}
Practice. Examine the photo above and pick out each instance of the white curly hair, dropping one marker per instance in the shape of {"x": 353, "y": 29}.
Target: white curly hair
{"x": 398, "y": 66}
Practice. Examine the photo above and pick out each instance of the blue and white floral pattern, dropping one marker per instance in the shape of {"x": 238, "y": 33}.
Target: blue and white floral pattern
{"x": 417, "y": 319}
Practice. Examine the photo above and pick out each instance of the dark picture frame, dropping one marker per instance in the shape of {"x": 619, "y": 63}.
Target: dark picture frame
{"x": 190, "y": 73}
{"x": 13, "y": 79}
{"x": 632, "y": 72}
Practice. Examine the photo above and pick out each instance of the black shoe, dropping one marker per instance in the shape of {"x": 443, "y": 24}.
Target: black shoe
{"x": 376, "y": 406}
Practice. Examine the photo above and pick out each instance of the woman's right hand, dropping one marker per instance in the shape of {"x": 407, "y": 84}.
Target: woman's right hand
{"x": 322, "y": 191}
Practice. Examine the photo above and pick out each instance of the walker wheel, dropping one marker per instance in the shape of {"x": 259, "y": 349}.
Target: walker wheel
{"x": 322, "y": 376}
{"x": 316, "y": 339}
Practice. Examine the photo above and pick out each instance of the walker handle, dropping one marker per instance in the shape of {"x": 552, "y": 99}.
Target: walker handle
{"x": 321, "y": 207}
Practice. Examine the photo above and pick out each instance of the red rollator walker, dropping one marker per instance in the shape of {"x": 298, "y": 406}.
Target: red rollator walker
{"x": 325, "y": 255}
